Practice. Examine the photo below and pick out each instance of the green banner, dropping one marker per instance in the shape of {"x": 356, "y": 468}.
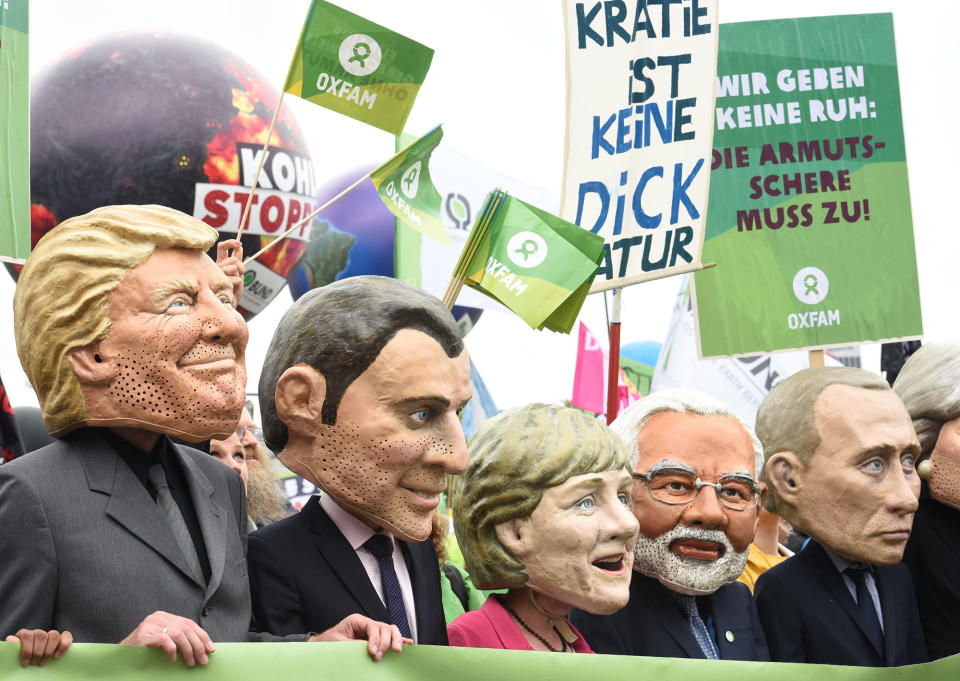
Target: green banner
{"x": 335, "y": 661}
{"x": 15, "y": 124}
{"x": 404, "y": 185}
{"x": 535, "y": 263}
{"x": 358, "y": 68}
{"x": 809, "y": 217}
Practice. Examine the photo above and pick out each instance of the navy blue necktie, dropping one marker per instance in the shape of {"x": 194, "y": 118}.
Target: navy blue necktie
{"x": 867, "y": 610}
{"x": 688, "y": 606}
{"x": 382, "y": 549}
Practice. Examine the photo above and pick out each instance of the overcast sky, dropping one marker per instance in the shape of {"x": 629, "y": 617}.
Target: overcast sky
{"x": 496, "y": 83}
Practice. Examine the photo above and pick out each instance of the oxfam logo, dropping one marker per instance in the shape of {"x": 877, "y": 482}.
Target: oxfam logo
{"x": 360, "y": 54}
{"x": 810, "y": 285}
{"x": 526, "y": 249}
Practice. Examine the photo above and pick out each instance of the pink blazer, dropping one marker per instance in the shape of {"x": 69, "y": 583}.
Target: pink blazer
{"x": 492, "y": 627}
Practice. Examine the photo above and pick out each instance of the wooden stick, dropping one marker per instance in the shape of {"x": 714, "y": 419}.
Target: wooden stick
{"x": 466, "y": 256}
{"x": 263, "y": 157}
{"x": 816, "y": 358}
{"x": 304, "y": 220}
{"x": 613, "y": 368}
{"x": 452, "y": 292}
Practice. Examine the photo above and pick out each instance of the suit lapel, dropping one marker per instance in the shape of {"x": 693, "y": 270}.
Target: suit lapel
{"x": 214, "y": 521}
{"x": 888, "y": 606}
{"x": 668, "y": 612}
{"x": 129, "y": 504}
{"x": 834, "y": 583}
{"x": 343, "y": 560}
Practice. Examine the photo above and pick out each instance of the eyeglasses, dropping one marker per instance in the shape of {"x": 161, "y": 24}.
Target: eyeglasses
{"x": 256, "y": 431}
{"x": 736, "y": 491}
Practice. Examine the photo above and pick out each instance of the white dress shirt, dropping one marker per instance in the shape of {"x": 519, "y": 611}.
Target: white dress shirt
{"x": 357, "y": 533}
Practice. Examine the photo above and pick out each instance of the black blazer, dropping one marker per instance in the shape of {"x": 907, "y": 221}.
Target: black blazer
{"x": 809, "y": 614}
{"x": 933, "y": 556}
{"x": 652, "y": 624}
{"x": 304, "y": 577}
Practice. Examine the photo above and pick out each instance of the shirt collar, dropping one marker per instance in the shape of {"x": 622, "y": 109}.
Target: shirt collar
{"x": 354, "y": 530}
{"x": 840, "y": 564}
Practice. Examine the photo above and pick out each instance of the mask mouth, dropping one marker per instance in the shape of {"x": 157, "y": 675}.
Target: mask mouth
{"x": 611, "y": 564}
{"x": 209, "y": 356}
{"x": 697, "y": 549}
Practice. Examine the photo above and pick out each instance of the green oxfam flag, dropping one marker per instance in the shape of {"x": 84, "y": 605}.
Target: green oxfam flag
{"x": 535, "y": 263}
{"x": 809, "y": 220}
{"x": 356, "y": 67}
{"x": 15, "y": 140}
{"x": 404, "y": 185}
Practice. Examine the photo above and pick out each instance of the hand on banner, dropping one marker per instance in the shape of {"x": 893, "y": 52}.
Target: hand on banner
{"x": 37, "y": 646}
{"x": 232, "y": 265}
{"x": 172, "y": 633}
{"x": 379, "y": 635}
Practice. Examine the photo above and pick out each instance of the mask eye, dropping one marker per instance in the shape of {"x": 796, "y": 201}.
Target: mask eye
{"x": 585, "y": 504}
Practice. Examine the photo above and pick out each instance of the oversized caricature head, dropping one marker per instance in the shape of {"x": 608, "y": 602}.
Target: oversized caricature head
{"x": 840, "y": 451}
{"x": 361, "y": 392}
{"x": 545, "y": 503}
{"x": 929, "y": 385}
{"x": 123, "y": 321}
{"x": 695, "y": 491}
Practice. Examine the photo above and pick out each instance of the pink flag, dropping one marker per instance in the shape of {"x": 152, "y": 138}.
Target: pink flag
{"x": 588, "y": 379}
{"x": 627, "y": 392}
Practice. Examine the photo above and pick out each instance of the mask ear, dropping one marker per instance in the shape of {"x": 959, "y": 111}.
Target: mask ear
{"x": 299, "y": 396}
{"x": 90, "y": 367}
{"x": 785, "y": 477}
{"x": 512, "y": 534}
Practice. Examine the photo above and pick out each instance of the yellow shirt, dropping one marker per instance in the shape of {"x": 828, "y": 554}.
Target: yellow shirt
{"x": 758, "y": 562}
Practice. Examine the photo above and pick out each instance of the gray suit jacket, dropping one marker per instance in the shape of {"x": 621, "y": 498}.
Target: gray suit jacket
{"x": 84, "y": 548}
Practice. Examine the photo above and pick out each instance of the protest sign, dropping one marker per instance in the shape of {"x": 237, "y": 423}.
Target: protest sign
{"x": 809, "y": 219}
{"x": 358, "y": 68}
{"x": 15, "y": 123}
{"x": 640, "y": 81}
{"x": 739, "y": 382}
{"x": 257, "y": 661}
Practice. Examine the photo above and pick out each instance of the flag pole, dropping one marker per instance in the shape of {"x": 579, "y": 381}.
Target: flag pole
{"x": 263, "y": 157}
{"x": 303, "y": 221}
{"x": 613, "y": 374}
{"x": 471, "y": 247}
{"x": 453, "y": 291}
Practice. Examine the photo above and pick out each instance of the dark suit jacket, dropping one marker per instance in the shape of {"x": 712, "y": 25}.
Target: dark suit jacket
{"x": 305, "y": 576}
{"x": 809, "y": 614}
{"x": 84, "y": 548}
{"x": 933, "y": 556}
{"x": 652, "y": 624}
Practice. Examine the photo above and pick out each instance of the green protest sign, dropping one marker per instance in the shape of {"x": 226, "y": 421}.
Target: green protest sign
{"x": 809, "y": 219}
{"x": 335, "y": 661}
{"x": 358, "y": 68}
{"x": 15, "y": 123}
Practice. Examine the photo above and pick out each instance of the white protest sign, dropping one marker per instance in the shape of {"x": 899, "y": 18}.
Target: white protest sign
{"x": 640, "y": 101}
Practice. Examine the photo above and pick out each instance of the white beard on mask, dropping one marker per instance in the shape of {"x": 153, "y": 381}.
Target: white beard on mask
{"x": 689, "y": 576}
